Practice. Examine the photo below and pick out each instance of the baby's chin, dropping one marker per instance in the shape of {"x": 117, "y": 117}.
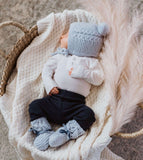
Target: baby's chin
{"x": 63, "y": 46}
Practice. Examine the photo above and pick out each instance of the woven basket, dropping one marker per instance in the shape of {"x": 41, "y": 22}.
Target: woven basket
{"x": 18, "y": 48}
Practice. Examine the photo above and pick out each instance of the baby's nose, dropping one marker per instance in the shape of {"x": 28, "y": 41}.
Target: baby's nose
{"x": 61, "y": 37}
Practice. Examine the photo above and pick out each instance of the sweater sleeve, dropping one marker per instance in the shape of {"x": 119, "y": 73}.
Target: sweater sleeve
{"x": 47, "y": 73}
{"x": 91, "y": 71}
{"x": 94, "y": 73}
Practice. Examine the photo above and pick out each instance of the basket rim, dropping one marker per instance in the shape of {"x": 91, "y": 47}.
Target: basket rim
{"x": 13, "y": 55}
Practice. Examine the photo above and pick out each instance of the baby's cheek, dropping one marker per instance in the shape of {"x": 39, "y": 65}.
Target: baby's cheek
{"x": 64, "y": 43}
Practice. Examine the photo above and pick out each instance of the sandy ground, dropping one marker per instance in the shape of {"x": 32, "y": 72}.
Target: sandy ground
{"x": 28, "y": 12}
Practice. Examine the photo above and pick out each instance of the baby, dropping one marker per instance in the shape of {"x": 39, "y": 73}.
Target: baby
{"x": 67, "y": 77}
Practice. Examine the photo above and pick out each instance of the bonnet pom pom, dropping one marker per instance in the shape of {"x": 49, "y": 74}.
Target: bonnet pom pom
{"x": 103, "y": 29}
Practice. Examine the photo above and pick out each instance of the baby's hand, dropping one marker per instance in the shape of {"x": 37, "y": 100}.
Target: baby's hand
{"x": 54, "y": 91}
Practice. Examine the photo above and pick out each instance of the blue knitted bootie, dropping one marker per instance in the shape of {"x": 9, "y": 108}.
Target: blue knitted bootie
{"x": 43, "y": 131}
{"x": 71, "y": 130}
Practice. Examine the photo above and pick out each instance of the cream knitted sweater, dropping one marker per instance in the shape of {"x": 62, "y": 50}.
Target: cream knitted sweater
{"x": 86, "y": 71}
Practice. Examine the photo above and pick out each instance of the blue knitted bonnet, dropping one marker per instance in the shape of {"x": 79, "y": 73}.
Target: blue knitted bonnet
{"x": 86, "y": 39}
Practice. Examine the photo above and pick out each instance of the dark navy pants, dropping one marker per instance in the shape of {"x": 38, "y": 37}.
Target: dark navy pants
{"x": 61, "y": 108}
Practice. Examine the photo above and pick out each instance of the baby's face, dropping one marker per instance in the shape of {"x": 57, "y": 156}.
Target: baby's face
{"x": 64, "y": 40}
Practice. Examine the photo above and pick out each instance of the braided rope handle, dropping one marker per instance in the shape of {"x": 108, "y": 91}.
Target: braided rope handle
{"x": 15, "y": 52}
{"x": 134, "y": 134}
{"x": 16, "y": 24}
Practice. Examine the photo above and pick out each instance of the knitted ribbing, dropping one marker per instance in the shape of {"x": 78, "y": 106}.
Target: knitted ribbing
{"x": 43, "y": 130}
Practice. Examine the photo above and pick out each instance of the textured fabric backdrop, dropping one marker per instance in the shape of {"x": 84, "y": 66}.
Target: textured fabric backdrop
{"x": 28, "y": 12}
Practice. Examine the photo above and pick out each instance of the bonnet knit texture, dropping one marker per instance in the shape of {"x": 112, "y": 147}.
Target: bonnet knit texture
{"x": 86, "y": 39}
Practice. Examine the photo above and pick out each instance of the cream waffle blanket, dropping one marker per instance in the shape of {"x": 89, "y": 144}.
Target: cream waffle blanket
{"x": 26, "y": 84}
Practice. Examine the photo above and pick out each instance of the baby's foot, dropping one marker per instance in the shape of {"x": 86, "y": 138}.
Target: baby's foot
{"x": 59, "y": 137}
{"x": 42, "y": 129}
{"x": 41, "y": 141}
{"x": 71, "y": 130}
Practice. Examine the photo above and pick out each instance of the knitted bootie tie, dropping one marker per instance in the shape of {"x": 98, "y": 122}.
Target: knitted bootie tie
{"x": 71, "y": 130}
{"x": 43, "y": 131}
